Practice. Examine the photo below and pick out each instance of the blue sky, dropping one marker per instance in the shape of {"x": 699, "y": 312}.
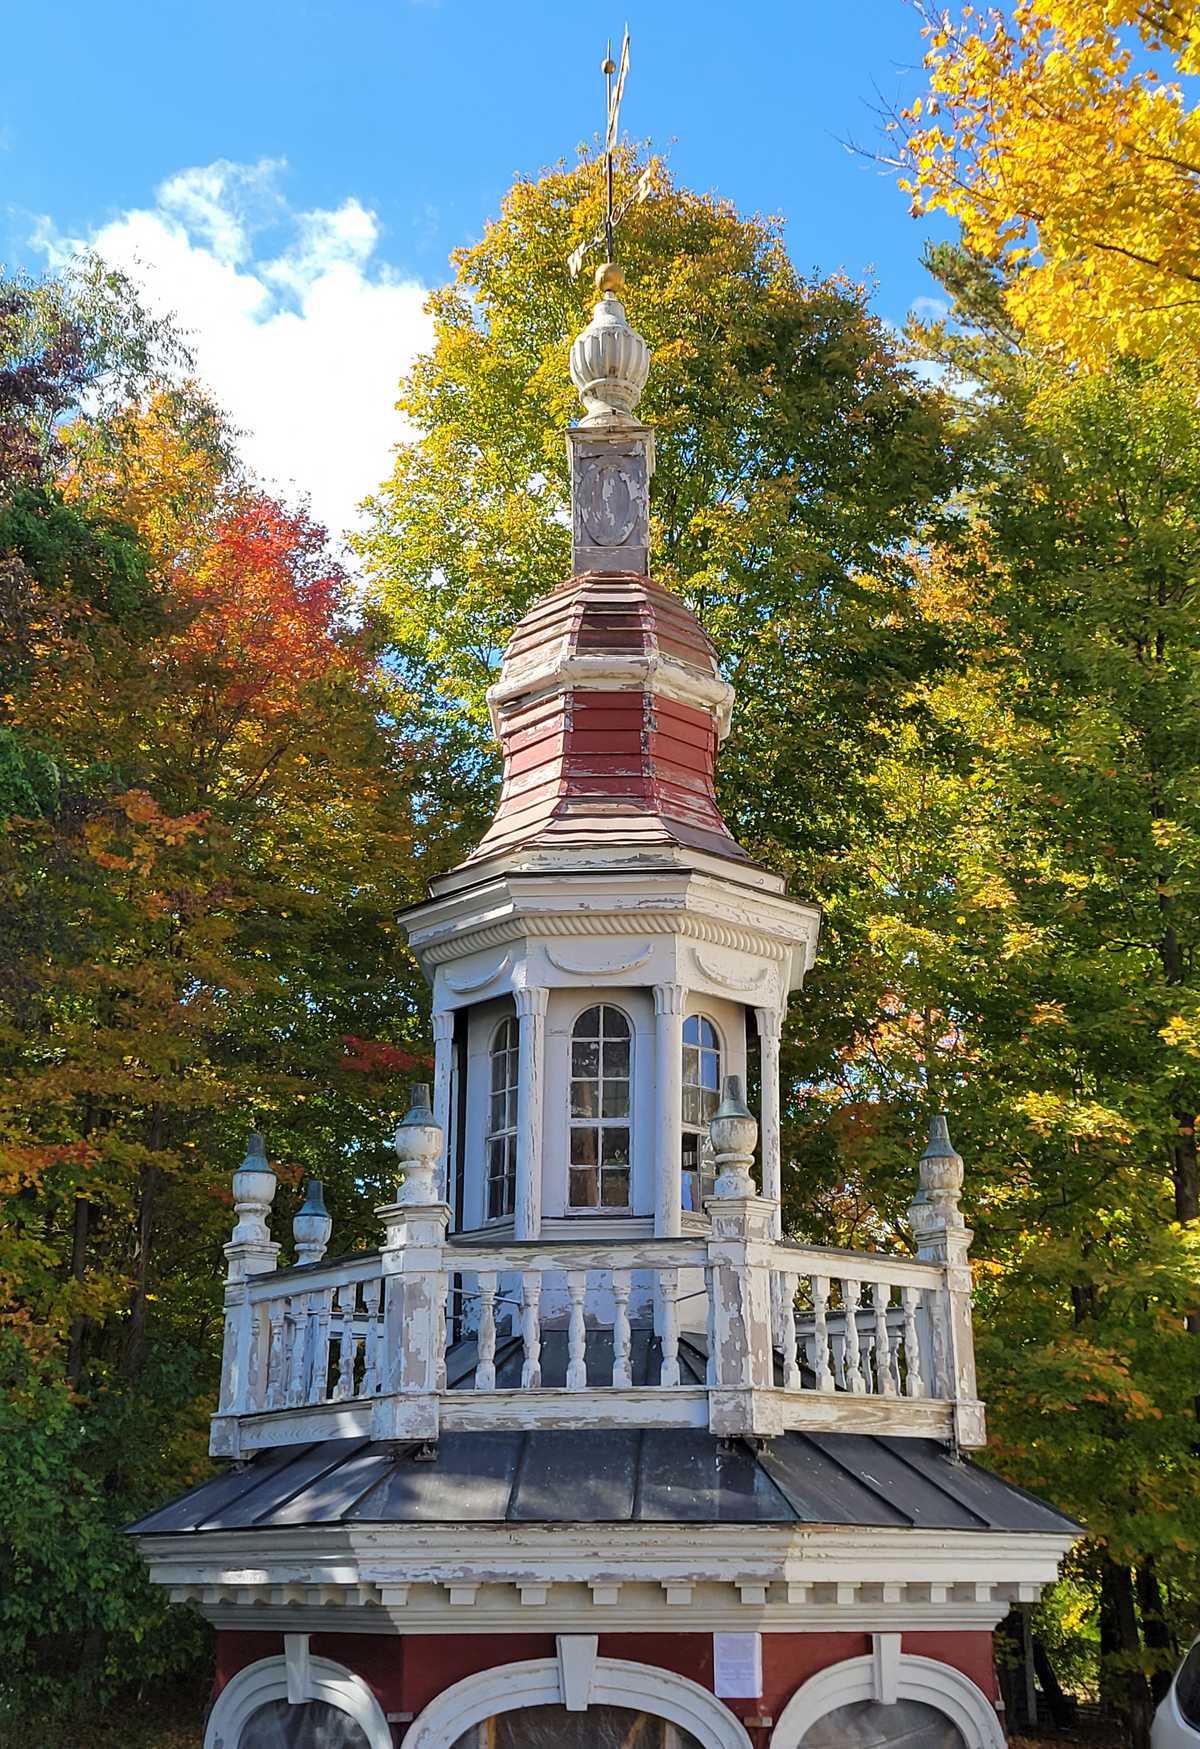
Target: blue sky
{"x": 291, "y": 177}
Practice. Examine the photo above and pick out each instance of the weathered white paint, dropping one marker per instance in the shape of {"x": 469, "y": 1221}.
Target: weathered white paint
{"x": 576, "y": 1669}
{"x": 443, "y": 1066}
{"x": 927, "y": 1680}
{"x": 769, "y": 1027}
{"x": 669, "y": 1002}
{"x": 531, "y": 1004}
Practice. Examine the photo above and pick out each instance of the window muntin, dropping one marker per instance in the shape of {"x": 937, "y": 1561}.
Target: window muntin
{"x": 701, "y": 1096}
{"x": 501, "y": 1193}
{"x": 600, "y": 1110}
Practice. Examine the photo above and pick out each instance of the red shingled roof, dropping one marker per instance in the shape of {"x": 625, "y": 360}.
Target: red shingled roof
{"x": 620, "y": 763}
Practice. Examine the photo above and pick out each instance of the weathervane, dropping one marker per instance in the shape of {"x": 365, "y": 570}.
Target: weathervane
{"x": 612, "y": 216}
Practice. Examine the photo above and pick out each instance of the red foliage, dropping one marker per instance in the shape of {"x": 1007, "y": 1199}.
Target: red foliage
{"x": 262, "y": 602}
{"x": 374, "y": 1057}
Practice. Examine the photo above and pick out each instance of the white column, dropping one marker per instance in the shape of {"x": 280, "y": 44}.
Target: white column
{"x": 531, "y": 1062}
{"x": 668, "y": 1110}
{"x": 769, "y": 1027}
{"x": 443, "y": 1063}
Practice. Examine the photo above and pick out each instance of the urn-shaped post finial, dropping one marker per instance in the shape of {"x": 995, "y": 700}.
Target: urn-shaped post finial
{"x": 254, "y": 1186}
{"x": 419, "y": 1145}
{"x": 734, "y": 1133}
{"x": 312, "y": 1225}
{"x": 941, "y": 1179}
{"x": 609, "y": 361}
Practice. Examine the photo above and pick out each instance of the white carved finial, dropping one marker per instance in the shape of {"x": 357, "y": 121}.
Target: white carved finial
{"x": 734, "y": 1133}
{"x": 935, "y": 1206}
{"x": 609, "y": 361}
{"x": 419, "y": 1145}
{"x": 254, "y": 1186}
{"x": 311, "y": 1225}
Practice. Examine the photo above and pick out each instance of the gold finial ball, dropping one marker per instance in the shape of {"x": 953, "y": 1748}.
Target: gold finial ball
{"x": 609, "y": 279}
{"x": 608, "y": 65}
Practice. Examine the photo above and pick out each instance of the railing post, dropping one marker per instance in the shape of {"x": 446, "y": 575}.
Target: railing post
{"x": 770, "y": 1025}
{"x": 741, "y": 1398}
{"x": 415, "y": 1281}
{"x": 250, "y": 1252}
{"x": 942, "y": 1237}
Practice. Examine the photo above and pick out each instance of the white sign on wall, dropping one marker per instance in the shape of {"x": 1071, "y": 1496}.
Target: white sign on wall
{"x": 737, "y": 1666}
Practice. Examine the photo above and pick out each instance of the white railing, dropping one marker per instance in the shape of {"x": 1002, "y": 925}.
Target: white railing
{"x": 733, "y": 1333}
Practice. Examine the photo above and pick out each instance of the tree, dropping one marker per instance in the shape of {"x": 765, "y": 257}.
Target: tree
{"x": 1064, "y": 138}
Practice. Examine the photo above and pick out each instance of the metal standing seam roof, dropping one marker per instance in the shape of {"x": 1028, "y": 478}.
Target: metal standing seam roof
{"x": 608, "y": 1476}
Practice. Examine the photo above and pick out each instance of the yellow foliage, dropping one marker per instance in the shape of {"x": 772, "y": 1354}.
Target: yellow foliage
{"x": 1072, "y": 154}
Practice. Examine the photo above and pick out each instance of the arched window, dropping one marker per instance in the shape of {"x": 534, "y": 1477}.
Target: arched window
{"x": 701, "y": 1096}
{"x": 502, "y": 1122}
{"x": 312, "y": 1725}
{"x": 600, "y": 1108}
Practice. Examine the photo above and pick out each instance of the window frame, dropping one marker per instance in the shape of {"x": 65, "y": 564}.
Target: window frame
{"x": 598, "y": 1122}
{"x": 508, "y": 1132}
{"x": 688, "y": 1127}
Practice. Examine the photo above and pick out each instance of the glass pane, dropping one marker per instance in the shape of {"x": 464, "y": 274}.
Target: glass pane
{"x": 616, "y": 1147}
{"x": 314, "y": 1725}
{"x": 710, "y": 1069}
{"x": 616, "y": 1058}
{"x": 588, "y": 1024}
{"x": 708, "y": 1034}
{"x": 616, "y": 1099}
{"x": 690, "y": 1192}
{"x": 499, "y": 1115}
{"x": 584, "y": 1187}
{"x": 583, "y": 1146}
{"x": 693, "y": 1110}
{"x": 709, "y": 1101}
{"x": 691, "y": 1030}
{"x": 553, "y": 1727}
{"x": 616, "y": 1188}
{"x": 585, "y": 1058}
{"x": 691, "y": 1064}
{"x": 584, "y": 1099}
{"x": 868, "y": 1724}
{"x": 615, "y": 1024}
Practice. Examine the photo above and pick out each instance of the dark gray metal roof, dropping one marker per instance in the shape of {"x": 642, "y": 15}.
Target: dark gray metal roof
{"x": 611, "y": 1476}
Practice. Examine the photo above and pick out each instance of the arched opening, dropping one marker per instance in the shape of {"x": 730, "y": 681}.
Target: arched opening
{"x": 310, "y": 1724}
{"x": 503, "y": 1059}
{"x": 339, "y": 1711}
{"x": 889, "y": 1700}
{"x": 870, "y": 1724}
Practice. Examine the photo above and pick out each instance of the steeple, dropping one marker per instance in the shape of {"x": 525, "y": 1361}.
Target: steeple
{"x": 610, "y": 703}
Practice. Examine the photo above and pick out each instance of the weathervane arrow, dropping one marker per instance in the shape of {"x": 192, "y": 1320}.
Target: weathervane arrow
{"x": 612, "y": 216}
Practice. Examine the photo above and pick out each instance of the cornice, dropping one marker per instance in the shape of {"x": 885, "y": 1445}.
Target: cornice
{"x": 453, "y": 941}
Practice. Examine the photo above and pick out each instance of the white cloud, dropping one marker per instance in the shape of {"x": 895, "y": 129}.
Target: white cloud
{"x": 300, "y": 331}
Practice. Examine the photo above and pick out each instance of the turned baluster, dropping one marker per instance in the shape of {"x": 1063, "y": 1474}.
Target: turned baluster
{"x": 485, "y": 1366}
{"x": 792, "y": 1378}
{"x": 622, "y": 1372}
{"x": 347, "y": 1343}
{"x": 820, "y": 1300}
{"x": 277, "y": 1356}
{"x": 297, "y": 1382}
{"x": 851, "y": 1293}
{"x": 372, "y": 1291}
{"x": 531, "y": 1331}
{"x": 320, "y": 1305}
{"x": 577, "y": 1331}
{"x": 668, "y": 1325}
{"x": 914, "y": 1383}
{"x": 943, "y": 1383}
{"x": 881, "y": 1296}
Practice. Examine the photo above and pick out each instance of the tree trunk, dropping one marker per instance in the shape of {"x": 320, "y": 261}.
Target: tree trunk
{"x": 79, "y": 1239}
{"x": 135, "y": 1340}
{"x": 1122, "y": 1681}
{"x": 1155, "y": 1631}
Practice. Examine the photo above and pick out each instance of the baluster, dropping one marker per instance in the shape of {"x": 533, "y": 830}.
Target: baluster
{"x": 531, "y": 1330}
{"x": 320, "y": 1305}
{"x": 792, "y": 1377}
{"x": 622, "y": 1374}
{"x": 668, "y": 1335}
{"x": 943, "y": 1384}
{"x": 277, "y": 1356}
{"x": 881, "y": 1296}
{"x": 347, "y": 1343}
{"x": 820, "y": 1300}
{"x": 851, "y": 1292}
{"x": 577, "y": 1331}
{"x": 371, "y": 1384}
{"x": 297, "y": 1384}
{"x": 914, "y": 1383}
{"x": 485, "y": 1366}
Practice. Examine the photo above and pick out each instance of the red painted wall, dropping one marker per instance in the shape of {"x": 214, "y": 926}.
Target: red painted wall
{"x": 407, "y": 1671}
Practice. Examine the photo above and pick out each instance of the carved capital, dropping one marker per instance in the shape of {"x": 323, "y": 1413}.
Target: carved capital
{"x": 443, "y": 1026}
{"x": 531, "y": 999}
{"x": 669, "y": 998}
{"x": 770, "y": 1023}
